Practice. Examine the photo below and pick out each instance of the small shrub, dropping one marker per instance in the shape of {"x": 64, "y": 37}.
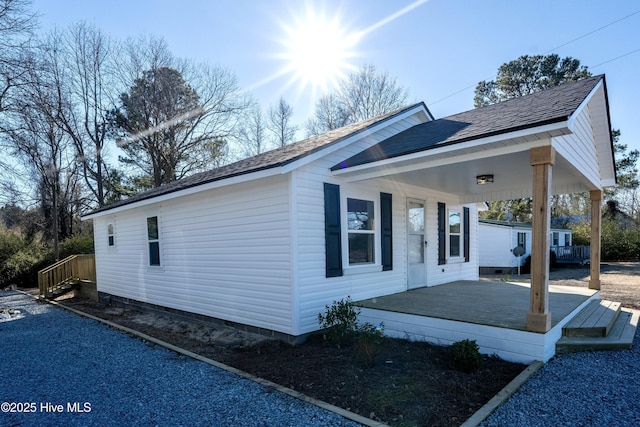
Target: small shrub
{"x": 465, "y": 356}
{"x": 340, "y": 320}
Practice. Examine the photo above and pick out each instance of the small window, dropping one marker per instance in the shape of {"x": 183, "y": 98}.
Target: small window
{"x": 567, "y": 239}
{"x": 361, "y": 230}
{"x": 454, "y": 234}
{"x": 522, "y": 240}
{"x": 153, "y": 238}
{"x": 111, "y": 235}
{"x": 555, "y": 238}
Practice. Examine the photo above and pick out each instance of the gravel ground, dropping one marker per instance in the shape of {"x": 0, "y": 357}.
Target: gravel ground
{"x": 579, "y": 389}
{"x": 99, "y": 376}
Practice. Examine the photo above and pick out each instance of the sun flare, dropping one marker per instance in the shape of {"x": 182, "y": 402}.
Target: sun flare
{"x": 318, "y": 50}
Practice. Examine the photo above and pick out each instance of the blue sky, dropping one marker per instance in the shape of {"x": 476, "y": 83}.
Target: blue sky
{"x": 438, "y": 49}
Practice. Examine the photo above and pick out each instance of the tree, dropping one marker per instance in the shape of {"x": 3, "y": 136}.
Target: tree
{"x": 91, "y": 92}
{"x": 280, "y": 123}
{"x": 253, "y": 135}
{"x": 177, "y": 116}
{"x": 361, "y": 95}
{"x": 368, "y": 93}
{"x": 156, "y": 117}
{"x": 329, "y": 114}
{"x": 526, "y": 75}
{"x": 16, "y": 28}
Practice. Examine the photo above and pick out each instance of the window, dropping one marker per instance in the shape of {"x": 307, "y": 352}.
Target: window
{"x": 567, "y": 239}
{"x": 454, "y": 234}
{"x": 361, "y": 231}
{"x": 110, "y": 235}
{"x": 522, "y": 240}
{"x": 153, "y": 238}
{"x": 555, "y": 239}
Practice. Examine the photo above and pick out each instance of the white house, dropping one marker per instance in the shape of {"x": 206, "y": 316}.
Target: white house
{"x": 374, "y": 208}
{"x": 498, "y": 239}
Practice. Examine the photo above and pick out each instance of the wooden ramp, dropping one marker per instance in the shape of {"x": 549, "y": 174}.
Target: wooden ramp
{"x": 601, "y": 325}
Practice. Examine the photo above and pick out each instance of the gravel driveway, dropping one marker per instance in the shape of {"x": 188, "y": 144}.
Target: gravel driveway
{"x": 579, "y": 389}
{"x": 57, "y": 368}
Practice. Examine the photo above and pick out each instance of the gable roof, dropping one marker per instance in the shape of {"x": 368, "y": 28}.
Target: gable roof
{"x": 270, "y": 159}
{"x": 552, "y": 105}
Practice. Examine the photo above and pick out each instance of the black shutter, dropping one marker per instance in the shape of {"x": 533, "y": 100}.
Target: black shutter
{"x": 442, "y": 234}
{"x": 332, "y": 230}
{"x": 386, "y": 214}
{"x": 465, "y": 224}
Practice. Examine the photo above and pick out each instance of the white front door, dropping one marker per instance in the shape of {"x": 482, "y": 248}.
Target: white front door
{"x": 416, "y": 243}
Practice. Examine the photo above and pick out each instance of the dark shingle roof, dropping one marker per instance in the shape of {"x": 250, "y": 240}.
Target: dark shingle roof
{"x": 270, "y": 159}
{"x": 538, "y": 109}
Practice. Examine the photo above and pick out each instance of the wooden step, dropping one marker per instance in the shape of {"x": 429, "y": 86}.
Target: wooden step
{"x": 620, "y": 336}
{"x": 595, "y": 320}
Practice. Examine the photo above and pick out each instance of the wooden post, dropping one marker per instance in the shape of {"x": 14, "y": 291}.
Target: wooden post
{"x": 542, "y": 160}
{"x": 596, "y": 223}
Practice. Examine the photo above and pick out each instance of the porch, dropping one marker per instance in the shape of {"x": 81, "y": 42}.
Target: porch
{"x": 492, "y": 313}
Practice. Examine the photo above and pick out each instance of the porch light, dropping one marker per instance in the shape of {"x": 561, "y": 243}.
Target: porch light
{"x": 484, "y": 179}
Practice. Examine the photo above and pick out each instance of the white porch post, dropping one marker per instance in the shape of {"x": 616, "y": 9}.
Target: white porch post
{"x": 596, "y": 222}
{"x": 542, "y": 160}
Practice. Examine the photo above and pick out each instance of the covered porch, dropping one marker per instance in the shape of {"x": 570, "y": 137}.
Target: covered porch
{"x": 492, "y": 313}
{"x": 553, "y": 142}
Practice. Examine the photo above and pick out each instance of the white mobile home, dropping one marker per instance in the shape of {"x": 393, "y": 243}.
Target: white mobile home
{"x": 374, "y": 208}
{"x": 497, "y": 241}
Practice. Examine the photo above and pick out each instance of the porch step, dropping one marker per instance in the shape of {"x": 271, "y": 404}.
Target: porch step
{"x": 620, "y": 336}
{"x": 595, "y": 320}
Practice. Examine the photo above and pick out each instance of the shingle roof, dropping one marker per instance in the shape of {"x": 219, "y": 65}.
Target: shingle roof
{"x": 270, "y": 159}
{"x": 538, "y": 109}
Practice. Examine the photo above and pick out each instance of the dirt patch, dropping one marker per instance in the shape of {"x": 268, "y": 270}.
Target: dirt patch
{"x": 395, "y": 381}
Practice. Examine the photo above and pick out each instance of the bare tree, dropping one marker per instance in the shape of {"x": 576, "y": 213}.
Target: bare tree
{"x": 252, "y": 139}
{"x": 90, "y": 91}
{"x": 361, "y": 95}
{"x": 368, "y": 93}
{"x": 17, "y": 23}
{"x": 280, "y": 123}
{"x": 330, "y": 114}
{"x": 44, "y": 151}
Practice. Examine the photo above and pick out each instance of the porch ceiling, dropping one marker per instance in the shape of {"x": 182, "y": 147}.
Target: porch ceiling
{"x": 455, "y": 173}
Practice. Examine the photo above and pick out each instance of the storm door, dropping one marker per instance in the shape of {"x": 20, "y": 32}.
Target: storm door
{"x": 416, "y": 243}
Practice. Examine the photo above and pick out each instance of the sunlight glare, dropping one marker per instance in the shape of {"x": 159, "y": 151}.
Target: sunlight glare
{"x": 318, "y": 50}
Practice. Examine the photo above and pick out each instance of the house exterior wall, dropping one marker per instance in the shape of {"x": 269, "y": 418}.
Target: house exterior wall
{"x": 313, "y": 289}
{"x": 579, "y": 148}
{"x": 496, "y": 243}
{"x": 224, "y": 253}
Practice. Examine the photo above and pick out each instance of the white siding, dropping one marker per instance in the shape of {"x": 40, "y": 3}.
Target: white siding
{"x": 579, "y": 148}
{"x": 314, "y": 290}
{"x": 224, "y": 253}
{"x": 496, "y": 243}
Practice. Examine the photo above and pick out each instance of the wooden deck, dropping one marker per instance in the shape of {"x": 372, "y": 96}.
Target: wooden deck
{"x": 497, "y": 304}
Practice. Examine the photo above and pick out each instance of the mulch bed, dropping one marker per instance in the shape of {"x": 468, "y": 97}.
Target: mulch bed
{"x": 395, "y": 381}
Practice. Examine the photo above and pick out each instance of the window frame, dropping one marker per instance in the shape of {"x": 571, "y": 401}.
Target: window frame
{"x": 153, "y": 242}
{"x": 111, "y": 235}
{"x": 372, "y": 231}
{"x": 365, "y": 267}
{"x": 459, "y": 234}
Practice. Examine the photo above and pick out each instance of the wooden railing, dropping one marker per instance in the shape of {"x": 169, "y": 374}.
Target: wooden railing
{"x": 73, "y": 268}
{"x": 572, "y": 254}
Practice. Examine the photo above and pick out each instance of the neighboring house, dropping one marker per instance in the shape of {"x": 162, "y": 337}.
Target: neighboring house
{"x": 498, "y": 239}
{"x": 370, "y": 209}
